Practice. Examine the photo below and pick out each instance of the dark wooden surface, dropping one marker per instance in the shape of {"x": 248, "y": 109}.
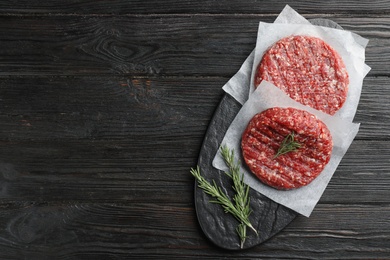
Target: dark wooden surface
{"x": 103, "y": 110}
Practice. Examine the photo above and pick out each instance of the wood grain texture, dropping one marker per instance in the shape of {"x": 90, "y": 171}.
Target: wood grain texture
{"x": 86, "y": 175}
{"x": 103, "y": 109}
{"x": 118, "y": 108}
{"x": 155, "y": 231}
{"x": 122, "y": 7}
{"x": 150, "y": 46}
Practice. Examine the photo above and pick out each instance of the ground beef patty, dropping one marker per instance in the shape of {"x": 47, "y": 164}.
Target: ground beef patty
{"x": 308, "y": 70}
{"x": 263, "y": 137}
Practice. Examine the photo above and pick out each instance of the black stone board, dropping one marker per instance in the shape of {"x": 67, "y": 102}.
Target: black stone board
{"x": 268, "y": 217}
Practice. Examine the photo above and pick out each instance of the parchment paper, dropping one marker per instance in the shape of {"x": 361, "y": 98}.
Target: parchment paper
{"x": 238, "y": 86}
{"x": 351, "y": 46}
{"x": 304, "y": 199}
{"x": 342, "y": 41}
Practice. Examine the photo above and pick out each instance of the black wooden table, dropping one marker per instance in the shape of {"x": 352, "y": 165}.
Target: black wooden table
{"x": 103, "y": 110}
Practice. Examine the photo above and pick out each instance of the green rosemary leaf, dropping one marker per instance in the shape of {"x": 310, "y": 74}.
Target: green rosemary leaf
{"x": 288, "y": 145}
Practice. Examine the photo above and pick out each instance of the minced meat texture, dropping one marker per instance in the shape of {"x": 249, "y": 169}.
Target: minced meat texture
{"x": 264, "y": 135}
{"x": 308, "y": 70}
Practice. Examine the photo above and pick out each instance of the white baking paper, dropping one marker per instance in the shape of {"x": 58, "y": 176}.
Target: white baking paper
{"x": 289, "y": 15}
{"x": 352, "y": 53}
{"x": 241, "y": 84}
{"x": 352, "y": 49}
{"x": 304, "y": 199}
{"x": 238, "y": 86}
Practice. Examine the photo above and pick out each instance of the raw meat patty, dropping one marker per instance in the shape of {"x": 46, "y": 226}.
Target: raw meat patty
{"x": 264, "y": 135}
{"x": 308, "y": 70}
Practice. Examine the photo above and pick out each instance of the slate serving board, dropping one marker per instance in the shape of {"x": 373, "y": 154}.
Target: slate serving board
{"x": 268, "y": 217}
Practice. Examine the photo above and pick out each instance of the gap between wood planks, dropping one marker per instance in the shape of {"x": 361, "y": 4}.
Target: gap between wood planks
{"x": 345, "y": 14}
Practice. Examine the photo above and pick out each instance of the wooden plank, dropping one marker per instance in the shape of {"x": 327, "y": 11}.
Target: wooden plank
{"x": 331, "y": 229}
{"x": 112, "y": 171}
{"x": 103, "y": 230}
{"x": 107, "y": 171}
{"x": 96, "y": 108}
{"x": 362, "y": 175}
{"x": 119, "y": 108}
{"x": 119, "y": 45}
{"x": 189, "y": 7}
{"x": 200, "y": 45}
{"x": 372, "y": 112}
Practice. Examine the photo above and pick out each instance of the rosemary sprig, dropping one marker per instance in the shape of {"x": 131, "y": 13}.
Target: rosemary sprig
{"x": 241, "y": 198}
{"x": 240, "y": 206}
{"x": 220, "y": 197}
{"x": 288, "y": 145}
{"x": 213, "y": 190}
